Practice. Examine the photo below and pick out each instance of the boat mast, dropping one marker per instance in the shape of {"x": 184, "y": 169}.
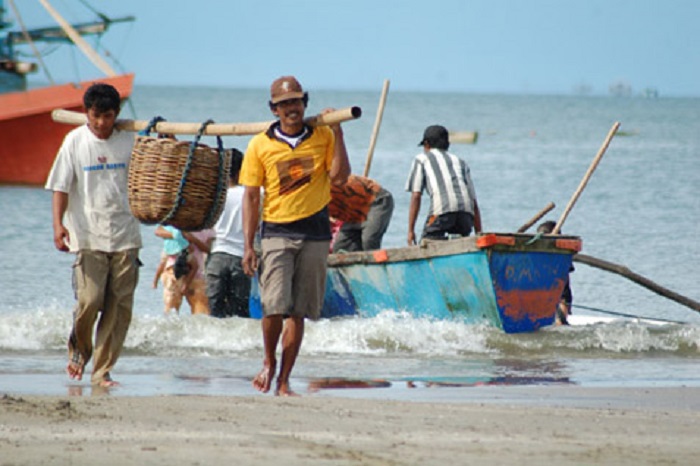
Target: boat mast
{"x": 89, "y": 52}
{"x": 29, "y": 40}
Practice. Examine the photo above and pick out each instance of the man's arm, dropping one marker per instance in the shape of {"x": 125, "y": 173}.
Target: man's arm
{"x": 59, "y": 204}
{"x": 340, "y": 167}
{"x": 159, "y": 271}
{"x": 199, "y": 244}
{"x": 413, "y": 210}
{"x": 251, "y": 217}
{"x": 161, "y": 232}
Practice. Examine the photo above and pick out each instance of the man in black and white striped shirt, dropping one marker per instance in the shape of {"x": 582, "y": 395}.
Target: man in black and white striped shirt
{"x": 453, "y": 206}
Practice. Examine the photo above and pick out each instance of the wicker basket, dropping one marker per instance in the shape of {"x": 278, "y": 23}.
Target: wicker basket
{"x": 177, "y": 183}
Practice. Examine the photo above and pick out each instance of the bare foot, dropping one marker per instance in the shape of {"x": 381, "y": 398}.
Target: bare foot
{"x": 283, "y": 389}
{"x": 263, "y": 380}
{"x": 75, "y": 367}
{"x": 107, "y": 382}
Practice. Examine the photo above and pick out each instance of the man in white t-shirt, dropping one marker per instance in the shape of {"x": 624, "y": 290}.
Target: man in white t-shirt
{"x": 91, "y": 218}
{"x": 228, "y": 287}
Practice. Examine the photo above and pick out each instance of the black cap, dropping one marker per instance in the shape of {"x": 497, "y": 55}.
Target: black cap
{"x": 436, "y": 136}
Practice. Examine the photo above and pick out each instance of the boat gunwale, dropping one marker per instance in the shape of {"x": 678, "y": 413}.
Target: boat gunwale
{"x": 428, "y": 249}
{"x": 45, "y": 99}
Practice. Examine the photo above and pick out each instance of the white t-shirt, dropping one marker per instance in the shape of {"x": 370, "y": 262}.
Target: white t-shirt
{"x": 229, "y": 227}
{"x": 94, "y": 173}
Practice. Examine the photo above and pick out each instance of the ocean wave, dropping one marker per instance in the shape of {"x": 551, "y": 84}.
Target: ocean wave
{"x": 388, "y": 334}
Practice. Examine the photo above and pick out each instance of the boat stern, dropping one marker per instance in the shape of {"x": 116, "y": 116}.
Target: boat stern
{"x": 528, "y": 273}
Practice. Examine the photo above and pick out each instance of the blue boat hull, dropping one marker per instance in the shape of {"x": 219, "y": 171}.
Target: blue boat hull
{"x": 512, "y": 282}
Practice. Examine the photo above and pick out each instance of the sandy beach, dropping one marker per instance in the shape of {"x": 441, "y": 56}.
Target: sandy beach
{"x": 497, "y": 425}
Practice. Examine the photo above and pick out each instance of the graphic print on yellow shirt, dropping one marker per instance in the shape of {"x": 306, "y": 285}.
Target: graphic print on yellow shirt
{"x": 296, "y": 182}
{"x": 295, "y": 173}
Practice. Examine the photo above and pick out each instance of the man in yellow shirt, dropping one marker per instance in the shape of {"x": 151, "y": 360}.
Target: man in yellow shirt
{"x": 295, "y": 164}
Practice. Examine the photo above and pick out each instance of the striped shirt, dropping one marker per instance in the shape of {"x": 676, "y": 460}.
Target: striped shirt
{"x": 446, "y": 179}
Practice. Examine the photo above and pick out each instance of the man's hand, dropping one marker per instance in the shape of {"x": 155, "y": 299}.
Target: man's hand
{"x": 59, "y": 204}
{"x": 411, "y": 238}
{"x": 61, "y": 238}
{"x": 249, "y": 262}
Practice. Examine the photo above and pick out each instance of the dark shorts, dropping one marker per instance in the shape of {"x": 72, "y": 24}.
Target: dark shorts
{"x": 228, "y": 287}
{"x": 451, "y": 223}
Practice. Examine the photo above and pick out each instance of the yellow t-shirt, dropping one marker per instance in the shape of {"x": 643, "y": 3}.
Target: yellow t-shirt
{"x": 296, "y": 181}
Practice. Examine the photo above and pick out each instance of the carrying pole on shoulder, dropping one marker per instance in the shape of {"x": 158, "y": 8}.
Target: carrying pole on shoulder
{"x": 214, "y": 129}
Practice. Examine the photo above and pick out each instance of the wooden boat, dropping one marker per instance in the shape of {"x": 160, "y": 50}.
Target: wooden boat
{"x": 509, "y": 281}
{"x": 31, "y": 137}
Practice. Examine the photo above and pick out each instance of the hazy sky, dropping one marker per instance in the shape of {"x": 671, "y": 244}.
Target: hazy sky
{"x": 511, "y": 46}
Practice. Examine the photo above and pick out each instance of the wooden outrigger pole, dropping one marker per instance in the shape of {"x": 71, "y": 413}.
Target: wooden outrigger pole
{"x": 638, "y": 279}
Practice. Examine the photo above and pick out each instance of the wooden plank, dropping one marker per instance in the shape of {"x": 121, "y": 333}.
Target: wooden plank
{"x": 464, "y": 282}
{"x": 370, "y": 289}
{"x": 430, "y": 249}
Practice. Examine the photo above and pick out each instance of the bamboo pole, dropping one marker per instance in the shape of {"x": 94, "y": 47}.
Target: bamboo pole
{"x": 586, "y": 177}
{"x": 214, "y": 129}
{"x": 640, "y": 280}
{"x": 537, "y": 216}
{"x": 77, "y": 39}
{"x": 375, "y": 130}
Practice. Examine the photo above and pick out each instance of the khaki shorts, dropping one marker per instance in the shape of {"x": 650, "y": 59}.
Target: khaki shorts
{"x": 293, "y": 276}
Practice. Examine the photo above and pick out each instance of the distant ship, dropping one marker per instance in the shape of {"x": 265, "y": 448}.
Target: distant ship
{"x": 620, "y": 89}
{"x": 650, "y": 93}
{"x": 30, "y": 138}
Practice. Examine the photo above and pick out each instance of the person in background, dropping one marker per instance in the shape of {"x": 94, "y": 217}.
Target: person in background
{"x": 175, "y": 253}
{"x": 567, "y": 298}
{"x": 295, "y": 164}
{"x": 89, "y": 184}
{"x": 181, "y": 269}
{"x": 228, "y": 287}
{"x": 453, "y": 206}
{"x": 367, "y": 235}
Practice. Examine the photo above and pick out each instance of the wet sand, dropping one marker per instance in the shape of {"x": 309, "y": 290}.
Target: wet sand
{"x": 489, "y": 425}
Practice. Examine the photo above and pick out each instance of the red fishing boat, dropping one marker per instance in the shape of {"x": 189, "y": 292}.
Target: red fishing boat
{"x": 30, "y": 138}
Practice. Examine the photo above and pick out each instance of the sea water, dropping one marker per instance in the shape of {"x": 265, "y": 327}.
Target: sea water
{"x": 640, "y": 209}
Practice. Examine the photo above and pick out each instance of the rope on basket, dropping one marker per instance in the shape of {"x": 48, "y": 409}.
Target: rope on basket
{"x": 221, "y": 182}
{"x": 179, "y": 199}
{"x": 151, "y": 124}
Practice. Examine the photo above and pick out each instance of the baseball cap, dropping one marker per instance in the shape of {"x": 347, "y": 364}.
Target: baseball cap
{"x": 285, "y": 88}
{"x": 435, "y": 134}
